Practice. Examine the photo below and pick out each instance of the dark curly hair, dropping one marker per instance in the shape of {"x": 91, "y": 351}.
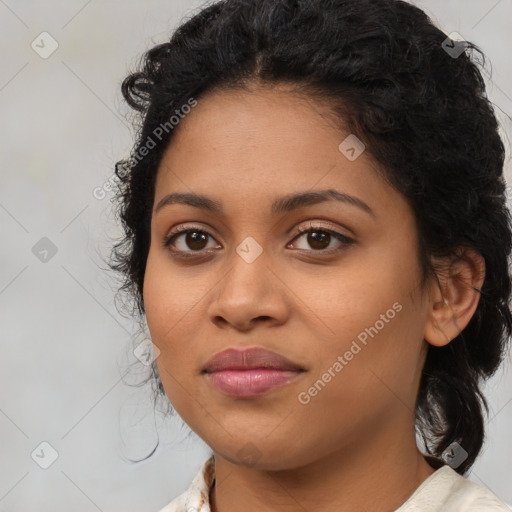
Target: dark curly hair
{"x": 422, "y": 113}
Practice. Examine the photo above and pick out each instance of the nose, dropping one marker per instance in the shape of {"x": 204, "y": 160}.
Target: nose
{"x": 249, "y": 294}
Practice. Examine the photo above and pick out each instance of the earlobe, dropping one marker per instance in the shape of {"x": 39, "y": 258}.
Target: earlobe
{"x": 454, "y": 300}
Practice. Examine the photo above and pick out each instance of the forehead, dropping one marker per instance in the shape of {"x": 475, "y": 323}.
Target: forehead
{"x": 253, "y": 146}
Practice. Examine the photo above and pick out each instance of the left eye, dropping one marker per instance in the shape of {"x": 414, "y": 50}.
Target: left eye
{"x": 320, "y": 239}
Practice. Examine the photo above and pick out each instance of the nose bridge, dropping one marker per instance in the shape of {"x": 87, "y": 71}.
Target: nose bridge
{"x": 247, "y": 290}
{"x": 248, "y": 274}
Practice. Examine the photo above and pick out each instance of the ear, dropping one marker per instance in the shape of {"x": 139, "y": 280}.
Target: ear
{"x": 455, "y": 297}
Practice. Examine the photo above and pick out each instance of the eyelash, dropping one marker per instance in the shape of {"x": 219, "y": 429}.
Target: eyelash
{"x": 346, "y": 241}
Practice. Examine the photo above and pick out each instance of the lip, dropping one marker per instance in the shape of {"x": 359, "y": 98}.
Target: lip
{"x": 250, "y": 372}
{"x": 249, "y": 358}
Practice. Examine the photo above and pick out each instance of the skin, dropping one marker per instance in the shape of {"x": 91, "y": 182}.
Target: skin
{"x": 245, "y": 149}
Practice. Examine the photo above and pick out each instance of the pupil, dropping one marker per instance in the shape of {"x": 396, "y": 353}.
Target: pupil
{"x": 313, "y": 239}
{"x": 194, "y": 238}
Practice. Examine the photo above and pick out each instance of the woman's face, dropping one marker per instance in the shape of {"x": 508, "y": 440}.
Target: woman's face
{"x": 348, "y": 311}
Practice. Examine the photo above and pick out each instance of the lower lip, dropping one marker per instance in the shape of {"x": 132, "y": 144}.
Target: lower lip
{"x": 247, "y": 383}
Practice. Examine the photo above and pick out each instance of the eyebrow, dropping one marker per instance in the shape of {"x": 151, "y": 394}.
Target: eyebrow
{"x": 279, "y": 206}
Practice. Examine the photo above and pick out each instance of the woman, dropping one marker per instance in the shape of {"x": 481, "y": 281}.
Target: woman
{"x": 316, "y": 233}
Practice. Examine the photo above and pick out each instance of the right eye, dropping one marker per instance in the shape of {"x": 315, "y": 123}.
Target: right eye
{"x": 182, "y": 237}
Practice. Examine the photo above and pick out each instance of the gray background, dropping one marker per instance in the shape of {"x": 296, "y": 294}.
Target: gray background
{"x": 66, "y": 353}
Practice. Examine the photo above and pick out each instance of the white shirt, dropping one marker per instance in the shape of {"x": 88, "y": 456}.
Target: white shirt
{"x": 443, "y": 491}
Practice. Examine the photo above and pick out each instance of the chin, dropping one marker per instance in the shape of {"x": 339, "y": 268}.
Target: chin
{"x": 262, "y": 456}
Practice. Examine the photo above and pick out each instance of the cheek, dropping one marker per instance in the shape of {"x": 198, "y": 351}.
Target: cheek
{"x": 351, "y": 303}
{"x": 368, "y": 373}
{"x": 167, "y": 296}
{"x": 171, "y": 301}
{"x": 375, "y": 325}
{"x": 165, "y": 308}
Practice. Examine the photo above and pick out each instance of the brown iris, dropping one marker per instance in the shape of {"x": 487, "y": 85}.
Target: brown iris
{"x": 317, "y": 239}
{"x": 193, "y": 238}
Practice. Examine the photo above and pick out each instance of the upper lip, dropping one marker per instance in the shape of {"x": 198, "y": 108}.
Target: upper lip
{"x": 244, "y": 359}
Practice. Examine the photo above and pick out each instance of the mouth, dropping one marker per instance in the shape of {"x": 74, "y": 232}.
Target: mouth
{"x": 250, "y": 382}
{"x": 250, "y": 372}
{"x": 249, "y": 359}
